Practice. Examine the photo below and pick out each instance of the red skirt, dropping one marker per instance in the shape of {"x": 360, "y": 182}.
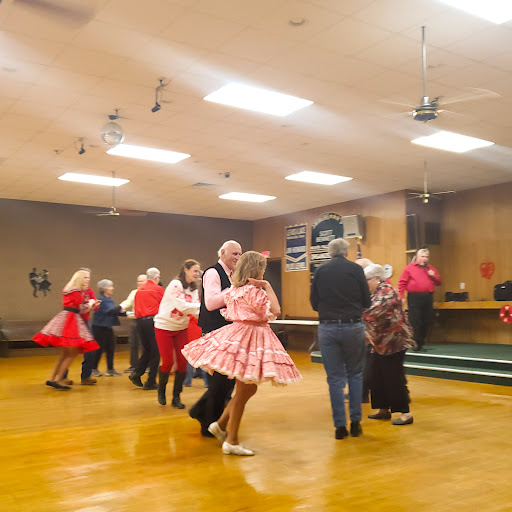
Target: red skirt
{"x": 66, "y": 329}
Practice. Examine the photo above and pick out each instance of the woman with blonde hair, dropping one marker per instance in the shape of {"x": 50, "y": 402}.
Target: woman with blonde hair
{"x": 246, "y": 350}
{"x": 67, "y": 329}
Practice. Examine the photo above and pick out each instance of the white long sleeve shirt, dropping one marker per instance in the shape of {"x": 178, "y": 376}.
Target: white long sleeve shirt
{"x": 175, "y": 307}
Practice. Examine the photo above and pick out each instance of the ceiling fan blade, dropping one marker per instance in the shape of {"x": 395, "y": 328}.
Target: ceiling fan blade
{"x": 471, "y": 94}
{"x": 131, "y": 213}
{"x": 76, "y": 11}
{"x": 393, "y": 102}
{"x": 444, "y": 192}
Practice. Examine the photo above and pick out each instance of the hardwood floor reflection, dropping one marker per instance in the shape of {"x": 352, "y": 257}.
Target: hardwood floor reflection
{"x": 112, "y": 448}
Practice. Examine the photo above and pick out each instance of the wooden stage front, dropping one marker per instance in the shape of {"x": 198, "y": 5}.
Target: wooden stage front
{"x": 112, "y": 448}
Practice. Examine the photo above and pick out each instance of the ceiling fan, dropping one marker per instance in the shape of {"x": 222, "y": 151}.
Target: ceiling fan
{"x": 428, "y": 109}
{"x": 425, "y": 196}
{"x": 70, "y": 11}
{"x": 114, "y": 211}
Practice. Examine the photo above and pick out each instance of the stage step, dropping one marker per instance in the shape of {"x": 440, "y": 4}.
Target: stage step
{"x": 488, "y": 364}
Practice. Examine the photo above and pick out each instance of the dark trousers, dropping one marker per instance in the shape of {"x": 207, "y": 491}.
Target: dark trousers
{"x": 420, "y": 315}
{"x": 211, "y": 405}
{"x": 105, "y": 338}
{"x": 88, "y": 362}
{"x": 388, "y": 382}
{"x": 134, "y": 342}
{"x": 367, "y": 372}
{"x": 150, "y": 356}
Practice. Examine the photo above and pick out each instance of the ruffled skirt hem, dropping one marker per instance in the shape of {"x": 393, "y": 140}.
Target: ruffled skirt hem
{"x": 57, "y": 341}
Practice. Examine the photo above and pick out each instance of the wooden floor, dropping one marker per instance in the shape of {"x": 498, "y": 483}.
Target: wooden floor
{"x": 112, "y": 448}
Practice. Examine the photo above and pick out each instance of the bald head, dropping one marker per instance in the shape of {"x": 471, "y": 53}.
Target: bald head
{"x": 141, "y": 279}
{"x": 230, "y": 253}
{"x": 364, "y": 262}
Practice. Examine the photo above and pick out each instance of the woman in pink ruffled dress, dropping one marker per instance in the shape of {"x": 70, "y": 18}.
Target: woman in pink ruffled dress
{"x": 246, "y": 350}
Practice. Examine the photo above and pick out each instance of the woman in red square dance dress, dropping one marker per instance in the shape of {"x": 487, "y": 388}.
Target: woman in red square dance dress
{"x": 67, "y": 329}
{"x": 246, "y": 350}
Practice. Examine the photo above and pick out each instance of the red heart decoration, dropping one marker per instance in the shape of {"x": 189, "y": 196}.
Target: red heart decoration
{"x": 487, "y": 269}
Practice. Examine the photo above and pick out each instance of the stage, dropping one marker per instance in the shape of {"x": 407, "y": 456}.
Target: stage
{"x": 471, "y": 362}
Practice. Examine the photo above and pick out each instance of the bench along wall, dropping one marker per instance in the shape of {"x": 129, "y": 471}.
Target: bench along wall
{"x": 385, "y": 242}
{"x": 61, "y": 238}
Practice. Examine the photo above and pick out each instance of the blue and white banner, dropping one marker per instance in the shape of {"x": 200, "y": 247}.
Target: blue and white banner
{"x": 325, "y": 228}
{"x": 296, "y": 256}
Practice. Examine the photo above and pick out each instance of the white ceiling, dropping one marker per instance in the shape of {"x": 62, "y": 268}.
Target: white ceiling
{"x": 60, "y": 77}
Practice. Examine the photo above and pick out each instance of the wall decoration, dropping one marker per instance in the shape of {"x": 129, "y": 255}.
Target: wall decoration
{"x": 39, "y": 282}
{"x": 324, "y": 229}
{"x": 506, "y": 314}
{"x": 487, "y": 269}
{"x": 295, "y": 251}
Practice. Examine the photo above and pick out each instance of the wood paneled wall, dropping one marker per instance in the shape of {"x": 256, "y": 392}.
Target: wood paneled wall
{"x": 477, "y": 228}
{"x": 384, "y": 242}
{"x": 61, "y": 238}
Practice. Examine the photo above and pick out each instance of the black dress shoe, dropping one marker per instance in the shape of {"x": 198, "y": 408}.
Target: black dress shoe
{"x": 341, "y": 433}
{"x": 205, "y": 432}
{"x": 380, "y": 416}
{"x": 355, "y": 429}
{"x": 177, "y": 403}
{"x": 150, "y": 386}
{"x": 57, "y": 386}
{"x": 136, "y": 380}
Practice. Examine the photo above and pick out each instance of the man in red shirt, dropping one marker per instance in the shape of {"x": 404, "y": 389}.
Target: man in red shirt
{"x": 147, "y": 302}
{"x": 419, "y": 280}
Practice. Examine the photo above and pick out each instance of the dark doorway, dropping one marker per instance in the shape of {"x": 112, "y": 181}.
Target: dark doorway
{"x": 273, "y": 276}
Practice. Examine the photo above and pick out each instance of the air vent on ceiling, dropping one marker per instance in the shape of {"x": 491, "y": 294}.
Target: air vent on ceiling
{"x": 203, "y": 184}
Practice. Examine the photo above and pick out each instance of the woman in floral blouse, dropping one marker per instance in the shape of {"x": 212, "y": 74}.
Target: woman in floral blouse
{"x": 390, "y": 336}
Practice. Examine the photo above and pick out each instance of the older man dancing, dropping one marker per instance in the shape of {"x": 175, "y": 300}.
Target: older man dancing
{"x": 340, "y": 294}
{"x": 216, "y": 283}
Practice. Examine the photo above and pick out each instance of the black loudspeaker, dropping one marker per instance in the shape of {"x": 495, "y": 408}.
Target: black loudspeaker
{"x": 353, "y": 226}
{"x": 432, "y": 233}
{"x": 412, "y": 232}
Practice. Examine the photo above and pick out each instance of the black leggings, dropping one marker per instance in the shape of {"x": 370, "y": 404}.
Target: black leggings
{"x": 388, "y": 382}
{"x": 420, "y": 315}
{"x": 105, "y": 338}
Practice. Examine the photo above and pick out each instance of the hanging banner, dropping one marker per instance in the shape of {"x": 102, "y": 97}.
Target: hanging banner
{"x": 296, "y": 256}
{"x": 324, "y": 229}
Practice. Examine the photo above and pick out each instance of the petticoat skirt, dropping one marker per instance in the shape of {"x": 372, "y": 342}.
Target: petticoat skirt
{"x": 249, "y": 352}
{"x": 66, "y": 329}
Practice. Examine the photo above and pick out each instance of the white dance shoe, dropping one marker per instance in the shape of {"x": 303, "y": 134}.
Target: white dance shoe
{"x": 216, "y": 431}
{"x": 235, "y": 449}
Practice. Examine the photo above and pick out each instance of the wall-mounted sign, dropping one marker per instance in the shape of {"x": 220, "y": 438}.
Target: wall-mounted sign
{"x": 296, "y": 256}
{"x": 324, "y": 229}
{"x": 39, "y": 282}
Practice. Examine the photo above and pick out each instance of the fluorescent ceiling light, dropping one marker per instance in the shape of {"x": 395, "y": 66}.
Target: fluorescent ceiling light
{"x": 154, "y": 155}
{"x": 319, "y": 178}
{"x": 450, "y": 141}
{"x": 242, "y": 196}
{"x": 260, "y": 100}
{"x": 94, "y": 180}
{"x": 497, "y": 11}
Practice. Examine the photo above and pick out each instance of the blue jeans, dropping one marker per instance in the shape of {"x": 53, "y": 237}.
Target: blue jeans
{"x": 190, "y": 375}
{"x": 343, "y": 349}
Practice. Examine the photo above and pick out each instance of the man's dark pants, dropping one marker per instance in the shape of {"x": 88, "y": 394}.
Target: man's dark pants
{"x": 150, "y": 356}
{"x": 420, "y": 315}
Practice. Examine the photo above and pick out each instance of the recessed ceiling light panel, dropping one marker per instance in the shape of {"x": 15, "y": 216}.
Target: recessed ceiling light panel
{"x": 93, "y": 180}
{"x": 450, "y": 141}
{"x": 319, "y": 178}
{"x": 497, "y": 11}
{"x": 151, "y": 154}
{"x": 242, "y": 196}
{"x": 256, "y": 99}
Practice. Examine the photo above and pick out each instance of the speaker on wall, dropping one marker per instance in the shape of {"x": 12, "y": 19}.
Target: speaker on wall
{"x": 432, "y": 233}
{"x": 412, "y": 232}
{"x": 353, "y": 226}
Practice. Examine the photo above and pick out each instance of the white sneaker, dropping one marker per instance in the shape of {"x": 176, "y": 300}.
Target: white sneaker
{"x": 235, "y": 449}
{"x": 217, "y": 431}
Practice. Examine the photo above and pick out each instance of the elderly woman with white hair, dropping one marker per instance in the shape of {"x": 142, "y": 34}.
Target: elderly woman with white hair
{"x": 105, "y": 318}
{"x": 390, "y": 336}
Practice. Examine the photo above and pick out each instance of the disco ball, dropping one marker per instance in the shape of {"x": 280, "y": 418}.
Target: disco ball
{"x": 112, "y": 134}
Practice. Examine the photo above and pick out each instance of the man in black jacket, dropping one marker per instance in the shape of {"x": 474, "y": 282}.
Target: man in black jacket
{"x": 340, "y": 294}
{"x": 216, "y": 283}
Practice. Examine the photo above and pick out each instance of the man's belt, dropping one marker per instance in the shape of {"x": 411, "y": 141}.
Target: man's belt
{"x": 355, "y": 320}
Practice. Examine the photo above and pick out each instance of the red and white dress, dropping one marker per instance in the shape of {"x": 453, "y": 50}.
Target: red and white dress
{"x": 247, "y": 349}
{"x": 67, "y": 328}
